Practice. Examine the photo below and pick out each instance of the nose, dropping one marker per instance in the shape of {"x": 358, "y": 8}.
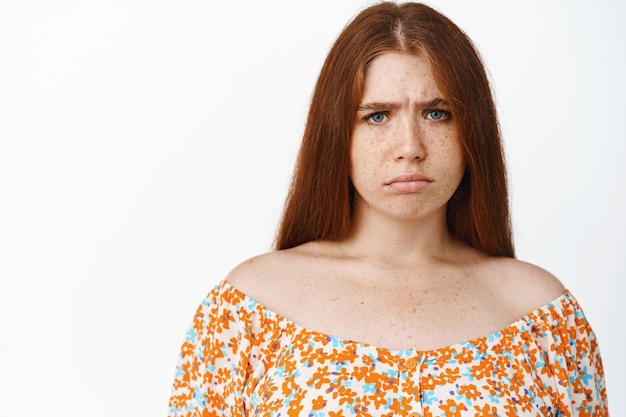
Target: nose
{"x": 410, "y": 141}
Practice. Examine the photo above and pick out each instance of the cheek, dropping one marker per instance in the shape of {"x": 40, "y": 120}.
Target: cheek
{"x": 460, "y": 156}
{"x": 457, "y": 160}
{"x": 362, "y": 154}
{"x": 361, "y": 167}
{"x": 454, "y": 147}
{"x": 454, "y": 158}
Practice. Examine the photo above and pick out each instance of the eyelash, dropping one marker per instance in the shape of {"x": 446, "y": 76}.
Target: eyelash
{"x": 445, "y": 115}
{"x": 368, "y": 118}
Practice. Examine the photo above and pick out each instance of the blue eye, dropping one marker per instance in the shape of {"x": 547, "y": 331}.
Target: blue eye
{"x": 437, "y": 114}
{"x": 376, "y": 118}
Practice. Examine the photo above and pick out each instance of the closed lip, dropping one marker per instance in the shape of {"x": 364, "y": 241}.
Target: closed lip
{"x": 410, "y": 177}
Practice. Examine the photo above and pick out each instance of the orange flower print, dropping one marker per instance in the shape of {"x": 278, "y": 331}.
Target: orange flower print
{"x": 466, "y": 356}
{"x": 379, "y": 399}
{"x": 451, "y": 375}
{"x": 486, "y": 411}
{"x": 320, "y": 377}
{"x": 452, "y": 408}
{"x": 482, "y": 369}
{"x": 429, "y": 382}
{"x": 241, "y": 357}
{"x": 363, "y": 373}
{"x": 187, "y": 348}
{"x": 319, "y": 403}
{"x": 224, "y": 321}
{"x": 398, "y": 405}
{"x": 345, "y": 395}
{"x": 214, "y": 351}
{"x": 469, "y": 391}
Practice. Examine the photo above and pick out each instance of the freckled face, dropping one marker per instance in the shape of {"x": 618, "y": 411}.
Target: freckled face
{"x": 405, "y": 152}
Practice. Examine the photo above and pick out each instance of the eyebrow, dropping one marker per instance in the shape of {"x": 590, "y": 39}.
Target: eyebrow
{"x": 386, "y": 105}
{"x": 377, "y": 106}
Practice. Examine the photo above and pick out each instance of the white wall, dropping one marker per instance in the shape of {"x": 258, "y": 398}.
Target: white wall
{"x": 146, "y": 146}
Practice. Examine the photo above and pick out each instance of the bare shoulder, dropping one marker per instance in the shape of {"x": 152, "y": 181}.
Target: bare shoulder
{"x": 254, "y": 274}
{"x": 272, "y": 277}
{"x": 524, "y": 286}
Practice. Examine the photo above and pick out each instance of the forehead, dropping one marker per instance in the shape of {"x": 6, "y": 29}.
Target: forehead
{"x": 398, "y": 74}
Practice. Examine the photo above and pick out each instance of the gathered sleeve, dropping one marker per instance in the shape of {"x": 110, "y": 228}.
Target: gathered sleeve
{"x": 221, "y": 357}
{"x": 569, "y": 366}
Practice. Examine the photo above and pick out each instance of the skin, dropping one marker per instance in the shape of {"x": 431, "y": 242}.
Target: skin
{"x": 404, "y": 126}
{"x": 398, "y": 279}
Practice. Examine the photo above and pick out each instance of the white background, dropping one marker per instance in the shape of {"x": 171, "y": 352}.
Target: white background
{"x": 146, "y": 147}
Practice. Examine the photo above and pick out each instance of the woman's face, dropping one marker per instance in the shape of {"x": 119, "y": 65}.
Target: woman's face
{"x": 405, "y": 152}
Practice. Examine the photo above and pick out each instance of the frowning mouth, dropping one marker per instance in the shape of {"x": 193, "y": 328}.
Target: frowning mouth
{"x": 409, "y": 183}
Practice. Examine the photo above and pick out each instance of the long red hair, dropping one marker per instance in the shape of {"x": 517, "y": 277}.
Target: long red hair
{"x": 319, "y": 203}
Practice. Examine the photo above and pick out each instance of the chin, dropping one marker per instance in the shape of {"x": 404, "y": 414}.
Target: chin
{"x": 411, "y": 215}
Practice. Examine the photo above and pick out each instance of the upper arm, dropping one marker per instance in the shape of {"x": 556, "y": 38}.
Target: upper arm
{"x": 210, "y": 371}
{"x": 572, "y": 355}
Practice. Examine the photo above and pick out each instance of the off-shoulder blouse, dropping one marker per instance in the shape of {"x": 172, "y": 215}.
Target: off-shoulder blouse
{"x": 240, "y": 358}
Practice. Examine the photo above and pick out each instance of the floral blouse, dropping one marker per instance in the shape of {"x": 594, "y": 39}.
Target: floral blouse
{"x": 240, "y": 358}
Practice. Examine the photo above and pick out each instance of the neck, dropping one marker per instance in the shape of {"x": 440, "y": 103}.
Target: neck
{"x": 400, "y": 242}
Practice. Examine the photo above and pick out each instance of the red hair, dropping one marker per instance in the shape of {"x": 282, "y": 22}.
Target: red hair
{"x": 319, "y": 203}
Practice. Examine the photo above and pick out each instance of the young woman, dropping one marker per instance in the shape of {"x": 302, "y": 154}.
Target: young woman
{"x": 393, "y": 289}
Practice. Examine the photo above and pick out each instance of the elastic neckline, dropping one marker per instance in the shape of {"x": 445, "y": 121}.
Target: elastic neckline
{"x": 518, "y": 326}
